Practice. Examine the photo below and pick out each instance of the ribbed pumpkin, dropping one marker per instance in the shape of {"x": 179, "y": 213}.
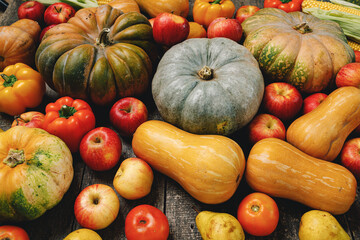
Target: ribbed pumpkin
{"x": 18, "y": 42}
{"x": 297, "y": 48}
{"x": 208, "y": 86}
{"x": 35, "y": 172}
{"x": 98, "y": 55}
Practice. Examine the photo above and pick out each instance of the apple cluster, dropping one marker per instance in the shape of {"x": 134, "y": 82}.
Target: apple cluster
{"x": 47, "y": 17}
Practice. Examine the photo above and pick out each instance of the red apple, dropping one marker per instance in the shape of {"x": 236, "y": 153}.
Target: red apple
{"x": 266, "y": 126}
{"x": 357, "y": 56}
{"x": 282, "y": 100}
{"x": 312, "y": 101}
{"x": 170, "y": 29}
{"x": 45, "y": 30}
{"x": 225, "y": 27}
{"x": 127, "y": 114}
{"x": 348, "y": 75}
{"x": 58, "y": 13}
{"x": 101, "y": 149}
{"x": 134, "y": 179}
{"x": 350, "y": 156}
{"x": 32, "y": 119}
{"x": 96, "y": 206}
{"x": 245, "y": 11}
{"x": 31, "y": 10}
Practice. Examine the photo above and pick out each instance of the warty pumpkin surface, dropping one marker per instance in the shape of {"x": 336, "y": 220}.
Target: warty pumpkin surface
{"x": 208, "y": 86}
{"x": 100, "y": 55}
{"x": 35, "y": 172}
{"x": 297, "y": 48}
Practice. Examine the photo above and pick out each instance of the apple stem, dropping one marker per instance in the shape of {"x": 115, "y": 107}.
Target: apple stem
{"x": 9, "y": 81}
{"x": 206, "y": 73}
{"x": 216, "y": 2}
{"x": 14, "y": 158}
{"x": 103, "y": 39}
{"x": 58, "y": 10}
{"x": 196, "y": 209}
{"x": 255, "y": 208}
{"x": 302, "y": 28}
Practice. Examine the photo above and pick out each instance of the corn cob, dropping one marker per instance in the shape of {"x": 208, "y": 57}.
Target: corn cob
{"x": 354, "y": 45}
{"x": 328, "y": 6}
{"x": 101, "y": 2}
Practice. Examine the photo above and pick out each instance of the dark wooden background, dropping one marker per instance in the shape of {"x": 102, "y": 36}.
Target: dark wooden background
{"x": 166, "y": 194}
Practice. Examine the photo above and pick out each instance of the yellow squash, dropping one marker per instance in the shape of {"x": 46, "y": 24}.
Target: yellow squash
{"x": 279, "y": 169}
{"x": 155, "y": 7}
{"x": 322, "y": 132}
{"x": 208, "y": 167}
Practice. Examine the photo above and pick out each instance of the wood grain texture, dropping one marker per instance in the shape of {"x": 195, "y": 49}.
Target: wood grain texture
{"x": 166, "y": 194}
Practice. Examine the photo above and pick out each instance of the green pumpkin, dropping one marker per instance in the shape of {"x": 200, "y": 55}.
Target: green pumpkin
{"x": 208, "y": 86}
{"x": 35, "y": 172}
{"x": 297, "y": 48}
{"x": 101, "y": 54}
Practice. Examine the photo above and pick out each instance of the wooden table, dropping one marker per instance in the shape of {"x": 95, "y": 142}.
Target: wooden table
{"x": 166, "y": 194}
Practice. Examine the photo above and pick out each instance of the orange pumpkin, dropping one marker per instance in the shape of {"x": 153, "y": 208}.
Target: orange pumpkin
{"x": 18, "y": 43}
{"x": 196, "y": 30}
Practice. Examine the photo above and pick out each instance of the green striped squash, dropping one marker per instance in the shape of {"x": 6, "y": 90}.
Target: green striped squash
{"x": 35, "y": 172}
{"x": 100, "y": 55}
{"x": 297, "y": 48}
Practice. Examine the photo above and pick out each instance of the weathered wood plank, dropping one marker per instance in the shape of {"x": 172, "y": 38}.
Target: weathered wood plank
{"x": 166, "y": 194}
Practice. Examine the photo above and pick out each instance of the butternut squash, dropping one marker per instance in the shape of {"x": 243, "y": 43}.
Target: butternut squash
{"x": 155, "y": 7}
{"x": 322, "y": 132}
{"x": 208, "y": 167}
{"x": 279, "y": 169}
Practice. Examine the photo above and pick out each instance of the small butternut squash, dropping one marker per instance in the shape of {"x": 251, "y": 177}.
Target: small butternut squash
{"x": 208, "y": 167}
{"x": 322, "y": 132}
{"x": 279, "y": 169}
{"x": 155, "y": 7}
{"x": 125, "y": 5}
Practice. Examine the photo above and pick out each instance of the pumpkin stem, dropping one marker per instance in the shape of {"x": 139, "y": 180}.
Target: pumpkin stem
{"x": 302, "y": 28}
{"x": 14, "y": 158}
{"x": 206, "y": 73}
{"x": 9, "y": 81}
{"x": 66, "y": 111}
{"x": 215, "y": 2}
{"x": 103, "y": 38}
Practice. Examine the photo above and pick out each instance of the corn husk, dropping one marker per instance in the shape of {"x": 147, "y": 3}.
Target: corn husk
{"x": 350, "y": 23}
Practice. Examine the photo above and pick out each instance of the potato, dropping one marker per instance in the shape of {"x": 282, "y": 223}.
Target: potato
{"x": 320, "y": 225}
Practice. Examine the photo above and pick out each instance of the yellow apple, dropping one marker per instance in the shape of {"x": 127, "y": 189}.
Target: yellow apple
{"x": 134, "y": 179}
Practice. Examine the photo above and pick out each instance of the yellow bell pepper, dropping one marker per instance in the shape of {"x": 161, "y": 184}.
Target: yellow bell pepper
{"x": 21, "y": 87}
{"x": 205, "y": 11}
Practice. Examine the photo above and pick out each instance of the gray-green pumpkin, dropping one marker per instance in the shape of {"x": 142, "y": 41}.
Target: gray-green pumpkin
{"x": 208, "y": 86}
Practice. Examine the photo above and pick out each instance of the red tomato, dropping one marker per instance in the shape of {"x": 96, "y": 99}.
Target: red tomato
{"x": 146, "y": 222}
{"x": 258, "y": 214}
{"x": 9, "y": 232}
{"x": 286, "y": 5}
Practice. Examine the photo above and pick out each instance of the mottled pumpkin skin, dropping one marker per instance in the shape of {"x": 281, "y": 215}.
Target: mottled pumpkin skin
{"x": 18, "y": 42}
{"x": 221, "y": 105}
{"x": 30, "y": 188}
{"x": 81, "y": 60}
{"x": 308, "y": 57}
